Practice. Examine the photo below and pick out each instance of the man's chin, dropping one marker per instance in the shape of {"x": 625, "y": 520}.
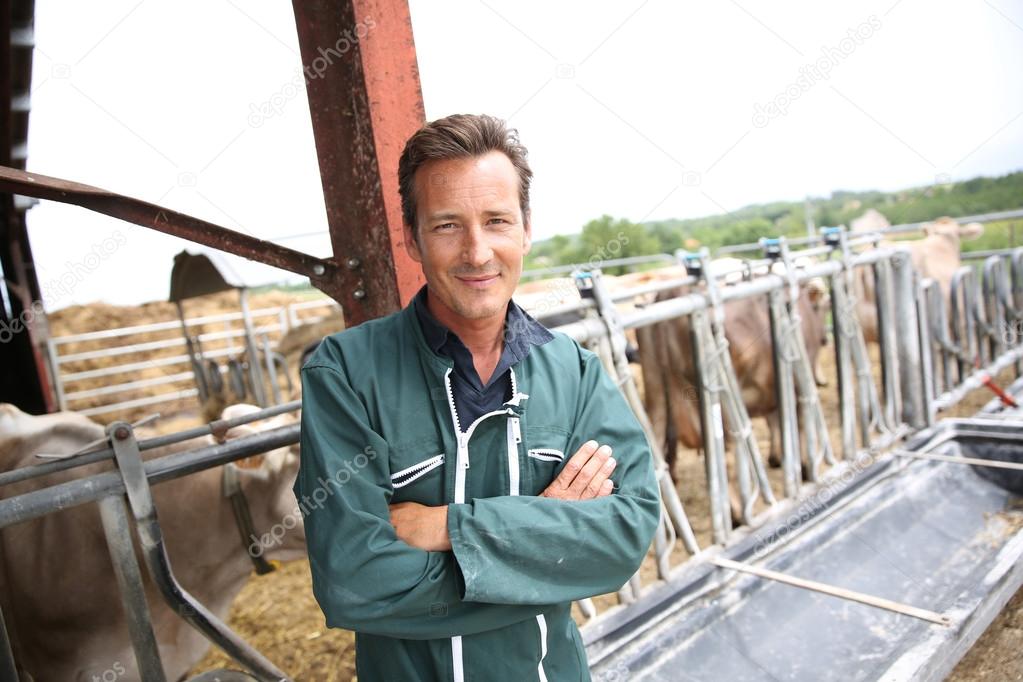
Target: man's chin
{"x": 478, "y": 310}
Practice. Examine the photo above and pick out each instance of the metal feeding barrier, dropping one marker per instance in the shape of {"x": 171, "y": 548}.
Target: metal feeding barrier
{"x": 664, "y": 631}
{"x": 193, "y": 362}
{"x": 721, "y": 597}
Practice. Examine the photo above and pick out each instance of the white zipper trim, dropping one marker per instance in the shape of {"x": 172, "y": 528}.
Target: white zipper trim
{"x": 416, "y": 471}
{"x": 547, "y": 454}
{"x": 514, "y": 437}
{"x": 456, "y": 659}
{"x": 513, "y": 455}
{"x": 542, "y": 623}
{"x": 451, "y": 401}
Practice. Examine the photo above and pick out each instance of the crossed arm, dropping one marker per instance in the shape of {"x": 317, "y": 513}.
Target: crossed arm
{"x": 586, "y": 476}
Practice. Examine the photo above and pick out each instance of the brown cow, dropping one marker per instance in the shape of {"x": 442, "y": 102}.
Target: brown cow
{"x": 669, "y": 375}
{"x": 60, "y": 599}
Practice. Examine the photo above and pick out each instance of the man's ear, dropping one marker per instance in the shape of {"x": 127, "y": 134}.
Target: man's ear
{"x": 411, "y": 245}
{"x": 527, "y": 234}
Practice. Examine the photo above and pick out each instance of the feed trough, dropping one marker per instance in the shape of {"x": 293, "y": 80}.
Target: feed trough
{"x": 932, "y": 532}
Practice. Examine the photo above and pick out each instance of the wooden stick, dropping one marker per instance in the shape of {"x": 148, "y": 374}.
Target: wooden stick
{"x": 955, "y": 459}
{"x": 839, "y": 592}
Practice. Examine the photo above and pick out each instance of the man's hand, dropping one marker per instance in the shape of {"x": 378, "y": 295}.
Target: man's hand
{"x": 585, "y": 476}
{"x": 421, "y": 526}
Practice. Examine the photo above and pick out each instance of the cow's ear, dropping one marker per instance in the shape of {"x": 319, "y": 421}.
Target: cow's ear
{"x": 253, "y": 462}
{"x": 970, "y": 231}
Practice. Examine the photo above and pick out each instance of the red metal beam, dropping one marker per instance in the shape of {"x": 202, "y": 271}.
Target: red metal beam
{"x": 322, "y": 273}
{"x": 362, "y": 80}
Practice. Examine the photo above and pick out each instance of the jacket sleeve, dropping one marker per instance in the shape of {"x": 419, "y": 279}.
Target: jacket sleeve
{"x": 538, "y": 550}
{"x": 364, "y": 577}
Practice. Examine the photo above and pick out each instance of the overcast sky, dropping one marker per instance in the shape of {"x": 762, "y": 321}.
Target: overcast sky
{"x": 642, "y": 110}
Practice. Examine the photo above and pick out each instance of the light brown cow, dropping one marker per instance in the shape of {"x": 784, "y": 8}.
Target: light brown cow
{"x": 669, "y": 375}
{"x": 60, "y": 599}
{"x": 937, "y": 256}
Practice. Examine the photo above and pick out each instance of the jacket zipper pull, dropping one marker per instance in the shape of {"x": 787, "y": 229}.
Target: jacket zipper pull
{"x": 463, "y": 447}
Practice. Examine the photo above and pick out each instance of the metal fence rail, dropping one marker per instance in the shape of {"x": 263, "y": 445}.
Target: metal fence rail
{"x": 904, "y": 228}
{"x": 935, "y": 362}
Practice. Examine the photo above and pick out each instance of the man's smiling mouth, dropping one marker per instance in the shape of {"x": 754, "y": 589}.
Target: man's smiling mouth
{"x": 479, "y": 282}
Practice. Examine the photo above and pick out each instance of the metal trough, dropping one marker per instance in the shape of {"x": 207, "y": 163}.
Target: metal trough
{"x": 940, "y": 539}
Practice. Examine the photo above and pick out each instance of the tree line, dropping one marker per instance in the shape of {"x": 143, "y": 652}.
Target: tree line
{"x": 788, "y": 218}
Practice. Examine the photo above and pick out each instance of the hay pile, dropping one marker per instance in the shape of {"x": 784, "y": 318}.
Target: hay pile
{"x": 277, "y": 614}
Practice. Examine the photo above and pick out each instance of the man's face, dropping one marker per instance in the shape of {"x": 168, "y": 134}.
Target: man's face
{"x": 472, "y": 234}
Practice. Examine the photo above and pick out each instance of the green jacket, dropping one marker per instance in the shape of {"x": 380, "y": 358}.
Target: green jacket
{"x": 379, "y": 427}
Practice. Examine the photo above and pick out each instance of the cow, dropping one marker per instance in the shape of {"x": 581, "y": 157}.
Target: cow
{"x": 936, "y": 255}
{"x": 669, "y": 375}
{"x": 60, "y": 600}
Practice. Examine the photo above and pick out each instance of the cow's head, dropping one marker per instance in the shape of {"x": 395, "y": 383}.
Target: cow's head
{"x": 950, "y": 229}
{"x": 267, "y": 481}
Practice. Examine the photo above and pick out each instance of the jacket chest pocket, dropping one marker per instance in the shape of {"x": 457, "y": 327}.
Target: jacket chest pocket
{"x": 417, "y": 473}
{"x": 546, "y": 455}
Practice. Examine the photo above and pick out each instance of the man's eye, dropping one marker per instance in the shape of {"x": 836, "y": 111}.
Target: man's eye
{"x": 445, "y": 226}
{"x": 498, "y": 220}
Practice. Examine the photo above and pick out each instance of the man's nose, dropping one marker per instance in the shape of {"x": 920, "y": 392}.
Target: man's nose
{"x": 476, "y": 248}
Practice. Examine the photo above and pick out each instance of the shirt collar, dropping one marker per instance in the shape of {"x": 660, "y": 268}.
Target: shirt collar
{"x": 521, "y": 331}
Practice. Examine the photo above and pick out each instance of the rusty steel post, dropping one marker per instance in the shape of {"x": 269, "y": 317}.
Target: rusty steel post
{"x": 362, "y": 81}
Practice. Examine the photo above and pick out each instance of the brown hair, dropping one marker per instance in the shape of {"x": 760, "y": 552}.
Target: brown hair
{"x": 454, "y": 137}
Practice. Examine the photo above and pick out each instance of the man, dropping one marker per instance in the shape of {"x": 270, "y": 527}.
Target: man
{"x": 444, "y": 521}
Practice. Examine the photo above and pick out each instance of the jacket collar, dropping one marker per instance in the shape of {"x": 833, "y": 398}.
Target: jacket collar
{"x": 521, "y": 331}
{"x": 439, "y": 365}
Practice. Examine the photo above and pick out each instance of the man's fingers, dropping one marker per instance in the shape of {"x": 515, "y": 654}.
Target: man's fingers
{"x": 574, "y": 466}
{"x": 592, "y": 467}
{"x": 586, "y": 475}
{"x": 599, "y": 480}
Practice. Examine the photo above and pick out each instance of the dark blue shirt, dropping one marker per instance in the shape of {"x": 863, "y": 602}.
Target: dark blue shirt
{"x": 472, "y": 398}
